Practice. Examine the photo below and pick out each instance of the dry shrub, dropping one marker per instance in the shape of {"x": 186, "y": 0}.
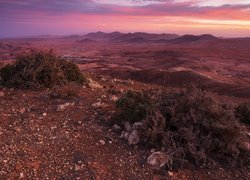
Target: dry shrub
{"x": 134, "y": 106}
{"x": 40, "y": 69}
{"x": 191, "y": 126}
{"x": 243, "y": 113}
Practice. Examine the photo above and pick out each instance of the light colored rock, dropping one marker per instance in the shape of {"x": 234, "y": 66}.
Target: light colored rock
{"x": 127, "y": 126}
{"x": 1, "y": 94}
{"x": 134, "y": 138}
{"x": 102, "y": 142}
{"x": 152, "y": 150}
{"x": 94, "y": 85}
{"x": 21, "y": 176}
{"x": 116, "y": 127}
{"x": 158, "y": 159}
{"x": 62, "y": 107}
{"x": 44, "y": 114}
{"x": 138, "y": 125}
{"x": 126, "y": 135}
{"x": 22, "y": 110}
{"x": 77, "y": 167}
{"x": 114, "y": 98}
{"x": 246, "y": 146}
{"x": 99, "y": 104}
{"x": 170, "y": 173}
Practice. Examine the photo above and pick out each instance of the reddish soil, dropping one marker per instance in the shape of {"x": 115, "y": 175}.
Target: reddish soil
{"x": 220, "y": 65}
{"x": 39, "y": 142}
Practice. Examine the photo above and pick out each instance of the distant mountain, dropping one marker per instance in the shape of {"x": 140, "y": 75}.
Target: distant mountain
{"x": 86, "y": 40}
{"x": 193, "y": 38}
{"x": 137, "y": 37}
{"x": 102, "y": 35}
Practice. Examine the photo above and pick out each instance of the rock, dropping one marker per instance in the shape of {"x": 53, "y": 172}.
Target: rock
{"x": 130, "y": 82}
{"x": 116, "y": 128}
{"x": 134, "y": 138}
{"x": 248, "y": 134}
{"x": 1, "y": 94}
{"x": 170, "y": 173}
{"x": 94, "y": 85}
{"x": 44, "y": 114}
{"x": 62, "y": 107}
{"x": 77, "y": 167}
{"x": 126, "y": 135}
{"x": 98, "y": 104}
{"x": 102, "y": 142}
{"x": 22, "y": 110}
{"x": 138, "y": 125}
{"x": 127, "y": 126}
{"x": 114, "y": 98}
{"x": 21, "y": 176}
{"x": 158, "y": 159}
{"x": 246, "y": 146}
{"x": 152, "y": 150}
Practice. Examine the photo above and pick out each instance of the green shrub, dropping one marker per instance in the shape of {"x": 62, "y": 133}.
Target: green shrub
{"x": 243, "y": 113}
{"x": 40, "y": 69}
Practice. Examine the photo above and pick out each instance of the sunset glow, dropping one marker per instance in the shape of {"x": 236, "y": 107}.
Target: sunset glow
{"x": 61, "y": 17}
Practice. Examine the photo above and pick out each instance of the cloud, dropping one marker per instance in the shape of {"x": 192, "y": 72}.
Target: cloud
{"x": 11, "y": 9}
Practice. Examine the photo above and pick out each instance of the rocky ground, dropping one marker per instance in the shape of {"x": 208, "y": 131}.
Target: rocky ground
{"x": 43, "y": 136}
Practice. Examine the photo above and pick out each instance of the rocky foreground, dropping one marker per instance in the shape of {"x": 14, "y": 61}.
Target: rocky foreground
{"x": 46, "y": 136}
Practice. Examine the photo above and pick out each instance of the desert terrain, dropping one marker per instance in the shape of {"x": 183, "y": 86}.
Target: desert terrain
{"x": 44, "y": 135}
{"x": 217, "y": 64}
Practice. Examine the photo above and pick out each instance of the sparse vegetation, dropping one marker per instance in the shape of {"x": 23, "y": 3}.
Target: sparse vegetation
{"x": 40, "y": 69}
{"x": 134, "y": 106}
{"x": 190, "y": 126}
{"x": 243, "y": 113}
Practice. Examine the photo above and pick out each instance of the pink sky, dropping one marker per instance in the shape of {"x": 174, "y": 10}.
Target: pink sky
{"x": 61, "y": 17}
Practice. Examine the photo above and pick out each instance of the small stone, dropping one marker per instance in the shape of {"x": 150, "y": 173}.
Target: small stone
{"x": 127, "y": 126}
{"x": 114, "y": 98}
{"x": 138, "y": 125}
{"x": 21, "y": 176}
{"x": 152, "y": 150}
{"x": 134, "y": 138}
{"x": 77, "y": 167}
{"x": 170, "y": 173}
{"x": 126, "y": 135}
{"x": 22, "y": 110}
{"x": 98, "y": 105}
{"x": 116, "y": 127}
{"x": 44, "y": 114}
{"x": 62, "y": 107}
{"x": 157, "y": 159}
{"x": 102, "y": 142}
{"x": 1, "y": 94}
{"x": 94, "y": 85}
{"x": 17, "y": 129}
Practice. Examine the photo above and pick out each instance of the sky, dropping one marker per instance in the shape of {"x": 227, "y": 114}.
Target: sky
{"x": 228, "y": 18}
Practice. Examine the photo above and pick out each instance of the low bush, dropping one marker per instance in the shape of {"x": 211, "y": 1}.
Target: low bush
{"x": 40, "y": 69}
{"x": 243, "y": 113}
{"x": 133, "y": 106}
{"x": 191, "y": 126}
